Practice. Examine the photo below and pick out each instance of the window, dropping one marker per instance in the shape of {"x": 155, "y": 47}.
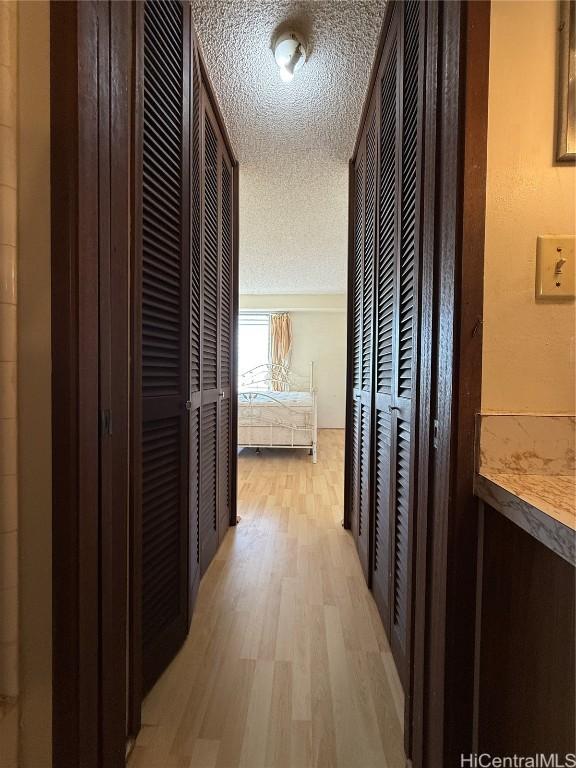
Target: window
{"x": 253, "y": 341}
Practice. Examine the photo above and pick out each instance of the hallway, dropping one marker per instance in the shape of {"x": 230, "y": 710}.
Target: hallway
{"x": 286, "y": 663}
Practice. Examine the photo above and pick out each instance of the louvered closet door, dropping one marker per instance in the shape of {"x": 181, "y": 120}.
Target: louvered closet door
{"x": 397, "y": 312}
{"x": 363, "y": 308}
{"x": 165, "y": 334}
{"x": 211, "y": 245}
{"x": 385, "y": 307}
{"x": 195, "y": 291}
{"x": 226, "y": 331}
{"x": 356, "y": 319}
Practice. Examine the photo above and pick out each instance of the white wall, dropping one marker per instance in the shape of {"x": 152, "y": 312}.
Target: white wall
{"x": 529, "y": 346}
{"x": 319, "y": 330}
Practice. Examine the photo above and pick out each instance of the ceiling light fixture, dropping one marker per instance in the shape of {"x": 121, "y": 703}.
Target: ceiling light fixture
{"x": 290, "y": 54}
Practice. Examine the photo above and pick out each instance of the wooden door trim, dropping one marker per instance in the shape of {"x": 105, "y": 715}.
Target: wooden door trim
{"x": 136, "y": 683}
{"x": 414, "y": 726}
{"x": 452, "y": 529}
{"x": 74, "y": 159}
{"x": 347, "y": 516}
{"x": 234, "y": 351}
{"x": 114, "y": 522}
{"x": 89, "y": 123}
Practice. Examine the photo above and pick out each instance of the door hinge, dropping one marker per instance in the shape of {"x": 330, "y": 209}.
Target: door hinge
{"x": 188, "y": 405}
{"x": 106, "y": 422}
{"x": 435, "y": 433}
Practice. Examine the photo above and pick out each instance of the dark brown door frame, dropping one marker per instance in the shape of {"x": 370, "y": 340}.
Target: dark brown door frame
{"x": 135, "y": 678}
{"x": 94, "y": 94}
{"x": 427, "y": 373}
{"x": 422, "y": 336}
{"x": 438, "y": 715}
{"x": 445, "y": 564}
{"x": 90, "y": 136}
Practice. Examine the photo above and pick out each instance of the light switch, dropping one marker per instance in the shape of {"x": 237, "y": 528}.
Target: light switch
{"x": 555, "y": 274}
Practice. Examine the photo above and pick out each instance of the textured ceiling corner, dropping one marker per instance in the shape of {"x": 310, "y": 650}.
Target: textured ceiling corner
{"x": 293, "y": 140}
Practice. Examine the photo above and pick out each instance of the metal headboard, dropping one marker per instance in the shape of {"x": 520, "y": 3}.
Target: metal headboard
{"x": 276, "y": 377}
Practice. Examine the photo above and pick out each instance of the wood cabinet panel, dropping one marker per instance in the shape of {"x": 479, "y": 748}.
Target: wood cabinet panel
{"x": 525, "y": 647}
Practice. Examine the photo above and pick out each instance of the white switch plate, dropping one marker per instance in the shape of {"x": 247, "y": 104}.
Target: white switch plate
{"x": 554, "y": 279}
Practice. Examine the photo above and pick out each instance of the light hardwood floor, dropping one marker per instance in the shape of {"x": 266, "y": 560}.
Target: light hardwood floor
{"x": 286, "y": 664}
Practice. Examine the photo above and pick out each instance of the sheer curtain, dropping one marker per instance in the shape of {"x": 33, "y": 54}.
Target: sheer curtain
{"x": 281, "y": 345}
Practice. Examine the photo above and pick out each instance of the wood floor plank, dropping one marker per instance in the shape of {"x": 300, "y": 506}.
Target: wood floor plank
{"x": 259, "y": 713}
{"x": 287, "y": 664}
{"x": 204, "y": 754}
{"x": 279, "y": 732}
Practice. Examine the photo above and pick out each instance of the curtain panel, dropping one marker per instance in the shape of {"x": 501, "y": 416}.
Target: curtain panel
{"x": 281, "y": 346}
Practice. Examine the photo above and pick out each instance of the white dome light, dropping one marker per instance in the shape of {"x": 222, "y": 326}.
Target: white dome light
{"x": 290, "y": 55}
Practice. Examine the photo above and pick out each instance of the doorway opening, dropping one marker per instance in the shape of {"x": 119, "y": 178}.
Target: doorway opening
{"x": 349, "y": 272}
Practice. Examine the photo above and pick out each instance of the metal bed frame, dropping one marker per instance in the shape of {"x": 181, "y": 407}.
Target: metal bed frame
{"x": 263, "y": 383}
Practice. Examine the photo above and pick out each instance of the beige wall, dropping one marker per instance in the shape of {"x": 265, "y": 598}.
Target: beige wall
{"x": 321, "y": 337}
{"x": 8, "y": 397}
{"x": 34, "y": 387}
{"x": 295, "y": 302}
{"x": 529, "y": 347}
{"x": 319, "y": 330}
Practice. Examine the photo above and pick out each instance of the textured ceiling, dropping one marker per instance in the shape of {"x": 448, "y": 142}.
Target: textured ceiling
{"x": 293, "y": 140}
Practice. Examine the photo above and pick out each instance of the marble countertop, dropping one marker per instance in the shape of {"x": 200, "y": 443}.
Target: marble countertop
{"x": 543, "y": 505}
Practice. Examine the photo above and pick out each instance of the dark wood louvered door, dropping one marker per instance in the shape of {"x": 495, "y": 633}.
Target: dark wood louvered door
{"x": 385, "y": 307}
{"x": 398, "y": 255}
{"x": 184, "y": 296}
{"x": 225, "y": 348}
{"x": 165, "y": 312}
{"x": 195, "y": 401}
{"x": 362, "y": 319}
{"x": 356, "y": 336}
{"x": 217, "y": 334}
{"x": 210, "y": 316}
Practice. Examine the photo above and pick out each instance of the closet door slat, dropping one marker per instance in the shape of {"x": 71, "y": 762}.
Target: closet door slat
{"x": 357, "y": 342}
{"x": 405, "y": 363}
{"x": 165, "y": 310}
{"x": 211, "y": 276}
{"x": 195, "y": 336}
{"x": 384, "y": 338}
{"x": 225, "y": 350}
{"x": 397, "y": 285}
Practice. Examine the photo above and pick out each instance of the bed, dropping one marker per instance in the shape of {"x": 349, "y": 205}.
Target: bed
{"x": 277, "y": 408}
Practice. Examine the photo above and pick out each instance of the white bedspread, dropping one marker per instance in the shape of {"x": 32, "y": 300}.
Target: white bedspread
{"x": 273, "y": 399}
{"x": 275, "y": 418}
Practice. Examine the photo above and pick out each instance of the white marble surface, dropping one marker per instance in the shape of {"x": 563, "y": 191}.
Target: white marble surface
{"x": 527, "y": 444}
{"x": 543, "y": 506}
{"x": 526, "y": 470}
